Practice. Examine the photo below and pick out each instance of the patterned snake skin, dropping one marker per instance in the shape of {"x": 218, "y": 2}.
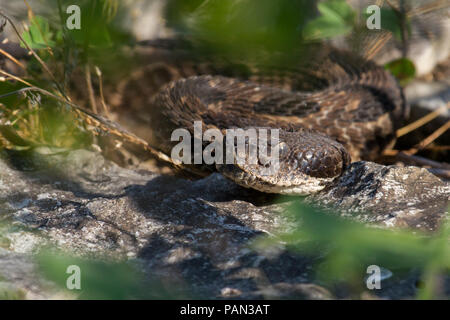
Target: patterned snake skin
{"x": 335, "y": 108}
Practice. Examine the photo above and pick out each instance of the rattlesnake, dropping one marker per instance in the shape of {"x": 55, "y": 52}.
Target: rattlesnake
{"x": 335, "y": 108}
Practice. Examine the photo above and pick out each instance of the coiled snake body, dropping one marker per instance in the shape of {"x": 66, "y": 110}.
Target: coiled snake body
{"x": 336, "y": 108}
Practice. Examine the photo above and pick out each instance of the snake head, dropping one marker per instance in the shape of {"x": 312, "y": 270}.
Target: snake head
{"x": 298, "y": 163}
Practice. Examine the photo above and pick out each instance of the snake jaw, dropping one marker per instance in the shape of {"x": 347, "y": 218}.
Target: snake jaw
{"x": 302, "y": 185}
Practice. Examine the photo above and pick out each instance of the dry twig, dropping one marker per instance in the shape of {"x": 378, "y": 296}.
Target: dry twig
{"x": 422, "y": 121}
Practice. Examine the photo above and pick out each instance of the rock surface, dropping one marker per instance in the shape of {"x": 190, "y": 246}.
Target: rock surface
{"x": 194, "y": 231}
{"x": 393, "y": 196}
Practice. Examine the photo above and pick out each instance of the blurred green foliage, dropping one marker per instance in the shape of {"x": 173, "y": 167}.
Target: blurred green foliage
{"x": 256, "y": 30}
{"x": 337, "y": 18}
{"x": 39, "y": 35}
{"x": 403, "y": 69}
{"x": 35, "y": 120}
{"x": 7, "y": 293}
{"x": 98, "y": 27}
{"x": 241, "y": 28}
{"x": 103, "y": 279}
{"x": 351, "y": 247}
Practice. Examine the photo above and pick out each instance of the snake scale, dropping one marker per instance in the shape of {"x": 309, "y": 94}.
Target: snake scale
{"x": 334, "y": 109}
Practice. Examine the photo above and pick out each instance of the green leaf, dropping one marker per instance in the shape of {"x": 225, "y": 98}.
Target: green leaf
{"x": 337, "y": 19}
{"x": 391, "y": 21}
{"x": 38, "y": 35}
{"x": 403, "y": 69}
{"x": 338, "y": 9}
{"x": 13, "y": 100}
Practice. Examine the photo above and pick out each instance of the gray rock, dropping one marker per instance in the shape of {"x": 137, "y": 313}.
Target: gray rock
{"x": 392, "y": 196}
{"x": 195, "y": 232}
